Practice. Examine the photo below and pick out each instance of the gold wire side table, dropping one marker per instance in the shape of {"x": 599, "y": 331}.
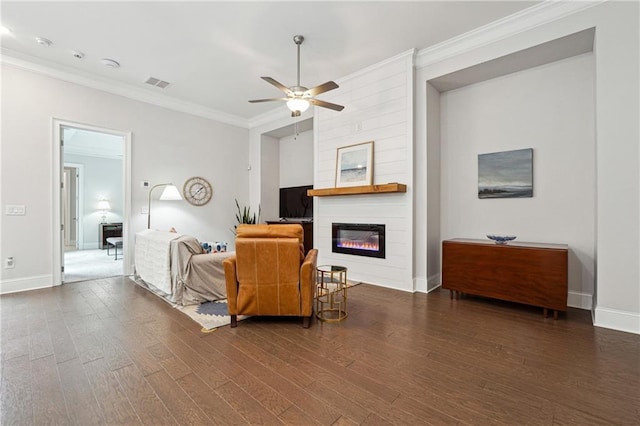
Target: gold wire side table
{"x": 331, "y": 293}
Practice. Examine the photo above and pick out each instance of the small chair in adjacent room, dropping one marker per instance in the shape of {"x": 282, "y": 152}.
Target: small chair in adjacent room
{"x": 269, "y": 274}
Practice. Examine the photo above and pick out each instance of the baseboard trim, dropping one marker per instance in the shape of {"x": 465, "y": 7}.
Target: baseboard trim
{"x": 579, "y": 300}
{"x": 433, "y": 282}
{"x": 420, "y": 285}
{"x": 617, "y": 320}
{"x": 25, "y": 284}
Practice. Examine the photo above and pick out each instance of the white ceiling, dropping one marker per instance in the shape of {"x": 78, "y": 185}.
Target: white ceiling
{"x": 214, "y": 53}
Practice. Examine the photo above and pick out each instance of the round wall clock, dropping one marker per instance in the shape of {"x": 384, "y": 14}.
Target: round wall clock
{"x": 197, "y": 191}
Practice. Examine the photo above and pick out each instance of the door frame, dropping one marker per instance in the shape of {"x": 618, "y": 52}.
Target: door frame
{"x": 57, "y": 167}
{"x": 79, "y": 201}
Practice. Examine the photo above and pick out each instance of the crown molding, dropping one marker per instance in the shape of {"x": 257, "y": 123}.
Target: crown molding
{"x": 410, "y": 54}
{"x": 527, "y": 19}
{"x": 70, "y": 75}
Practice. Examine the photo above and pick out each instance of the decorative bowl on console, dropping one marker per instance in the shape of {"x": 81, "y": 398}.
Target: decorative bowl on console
{"x": 501, "y": 239}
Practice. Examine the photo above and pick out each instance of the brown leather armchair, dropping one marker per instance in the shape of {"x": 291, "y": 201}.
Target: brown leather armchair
{"x": 269, "y": 275}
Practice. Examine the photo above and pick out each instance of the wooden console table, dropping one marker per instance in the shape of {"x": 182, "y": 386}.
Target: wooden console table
{"x": 529, "y": 273}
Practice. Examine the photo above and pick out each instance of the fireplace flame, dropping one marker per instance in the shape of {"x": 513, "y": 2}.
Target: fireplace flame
{"x": 359, "y": 245}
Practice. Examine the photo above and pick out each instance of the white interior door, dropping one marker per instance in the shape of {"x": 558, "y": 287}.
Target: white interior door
{"x": 71, "y": 207}
{"x": 66, "y": 209}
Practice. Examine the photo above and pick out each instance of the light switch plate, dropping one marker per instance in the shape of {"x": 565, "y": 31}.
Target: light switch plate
{"x": 15, "y": 210}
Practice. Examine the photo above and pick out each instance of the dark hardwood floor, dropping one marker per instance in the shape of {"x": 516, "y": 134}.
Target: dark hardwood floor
{"x": 110, "y": 352}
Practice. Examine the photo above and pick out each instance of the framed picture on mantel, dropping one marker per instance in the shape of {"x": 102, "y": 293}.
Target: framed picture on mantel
{"x": 354, "y": 165}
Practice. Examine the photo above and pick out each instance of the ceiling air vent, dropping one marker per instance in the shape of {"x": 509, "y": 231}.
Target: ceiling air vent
{"x": 157, "y": 82}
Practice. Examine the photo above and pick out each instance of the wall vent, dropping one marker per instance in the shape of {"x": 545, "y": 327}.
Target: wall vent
{"x": 157, "y": 82}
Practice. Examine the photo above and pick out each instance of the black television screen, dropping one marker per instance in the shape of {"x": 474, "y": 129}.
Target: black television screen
{"x": 295, "y": 203}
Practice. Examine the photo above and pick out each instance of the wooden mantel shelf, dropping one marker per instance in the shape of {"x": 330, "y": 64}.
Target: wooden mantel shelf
{"x": 356, "y": 190}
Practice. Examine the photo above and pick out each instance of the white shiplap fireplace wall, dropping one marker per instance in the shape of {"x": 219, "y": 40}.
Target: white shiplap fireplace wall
{"x": 378, "y": 107}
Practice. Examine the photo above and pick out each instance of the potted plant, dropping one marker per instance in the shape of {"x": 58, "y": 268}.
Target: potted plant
{"x": 244, "y": 215}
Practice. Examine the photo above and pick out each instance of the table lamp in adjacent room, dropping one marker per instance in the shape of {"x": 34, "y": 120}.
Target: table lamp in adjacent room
{"x": 105, "y": 207}
{"x": 170, "y": 193}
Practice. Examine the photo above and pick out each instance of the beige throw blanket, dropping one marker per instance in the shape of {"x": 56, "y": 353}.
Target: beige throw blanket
{"x": 196, "y": 276}
{"x": 176, "y": 267}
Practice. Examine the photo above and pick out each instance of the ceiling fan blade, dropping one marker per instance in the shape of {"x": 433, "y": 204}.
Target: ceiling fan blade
{"x": 325, "y": 87}
{"x": 268, "y": 100}
{"x": 279, "y": 85}
{"x": 324, "y": 104}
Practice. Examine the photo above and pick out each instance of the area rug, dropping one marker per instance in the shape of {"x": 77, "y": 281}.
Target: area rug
{"x": 211, "y": 315}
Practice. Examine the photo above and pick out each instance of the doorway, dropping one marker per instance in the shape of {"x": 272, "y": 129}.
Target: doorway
{"x": 92, "y": 196}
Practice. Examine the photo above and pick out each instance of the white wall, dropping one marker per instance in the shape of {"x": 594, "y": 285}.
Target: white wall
{"x": 617, "y": 131}
{"x": 284, "y": 162}
{"x": 550, "y": 109}
{"x": 274, "y": 121}
{"x": 378, "y": 108}
{"x": 270, "y": 166}
{"x": 296, "y": 160}
{"x": 433, "y": 200}
{"x": 102, "y": 180}
{"x": 167, "y": 146}
{"x": 618, "y": 174}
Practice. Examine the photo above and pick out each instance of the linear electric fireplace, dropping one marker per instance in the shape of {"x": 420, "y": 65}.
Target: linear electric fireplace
{"x": 359, "y": 239}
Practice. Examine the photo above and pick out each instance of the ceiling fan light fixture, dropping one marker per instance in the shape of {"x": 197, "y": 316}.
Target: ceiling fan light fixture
{"x": 298, "y": 97}
{"x": 297, "y": 104}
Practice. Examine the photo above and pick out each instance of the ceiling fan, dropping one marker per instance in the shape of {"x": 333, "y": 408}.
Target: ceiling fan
{"x": 299, "y": 97}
